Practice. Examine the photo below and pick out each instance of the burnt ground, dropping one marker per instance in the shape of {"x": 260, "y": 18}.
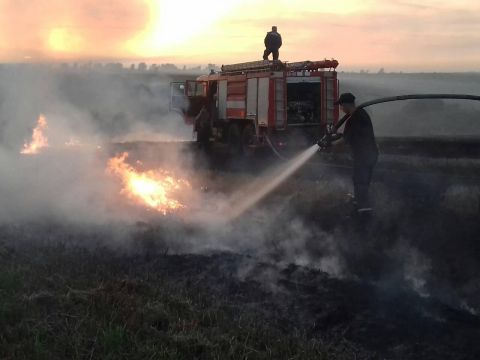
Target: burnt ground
{"x": 71, "y": 303}
{"x": 311, "y": 285}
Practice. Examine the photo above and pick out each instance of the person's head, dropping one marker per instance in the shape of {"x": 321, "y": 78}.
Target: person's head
{"x": 346, "y": 102}
{"x": 274, "y": 28}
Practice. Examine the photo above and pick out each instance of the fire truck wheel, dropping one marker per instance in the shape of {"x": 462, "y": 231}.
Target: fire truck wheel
{"x": 248, "y": 139}
{"x": 234, "y": 140}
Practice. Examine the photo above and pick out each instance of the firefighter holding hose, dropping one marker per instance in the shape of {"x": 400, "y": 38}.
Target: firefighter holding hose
{"x": 359, "y": 136}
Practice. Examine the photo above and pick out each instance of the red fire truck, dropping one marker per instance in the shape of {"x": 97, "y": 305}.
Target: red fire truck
{"x": 262, "y": 103}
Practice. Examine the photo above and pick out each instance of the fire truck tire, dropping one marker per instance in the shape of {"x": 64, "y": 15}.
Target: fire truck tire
{"x": 234, "y": 140}
{"x": 248, "y": 139}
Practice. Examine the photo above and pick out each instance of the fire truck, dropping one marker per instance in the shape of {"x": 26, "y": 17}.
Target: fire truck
{"x": 262, "y": 103}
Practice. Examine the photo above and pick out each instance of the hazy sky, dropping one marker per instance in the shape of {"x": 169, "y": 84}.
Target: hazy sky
{"x": 395, "y": 34}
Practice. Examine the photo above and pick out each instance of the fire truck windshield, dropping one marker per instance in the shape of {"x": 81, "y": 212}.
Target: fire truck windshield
{"x": 196, "y": 88}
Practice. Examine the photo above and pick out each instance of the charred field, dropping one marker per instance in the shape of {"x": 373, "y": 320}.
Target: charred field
{"x": 292, "y": 278}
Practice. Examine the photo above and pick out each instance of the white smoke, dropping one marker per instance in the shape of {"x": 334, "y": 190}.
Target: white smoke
{"x": 87, "y": 109}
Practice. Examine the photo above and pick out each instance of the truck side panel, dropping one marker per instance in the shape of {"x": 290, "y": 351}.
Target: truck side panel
{"x": 236, "y": 98}
{"x": 263, "y": 101}
{"x": 280, "y": 101}
{"x": 252, "y": 93}
{"x": 222, "y": 100}
{"x": 330, "y": 96}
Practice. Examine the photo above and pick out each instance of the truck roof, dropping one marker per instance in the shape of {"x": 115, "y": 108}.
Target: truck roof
{"x": 271, "y": 66}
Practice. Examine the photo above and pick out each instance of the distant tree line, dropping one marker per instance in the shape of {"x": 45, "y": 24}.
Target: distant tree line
{"x": 140, "y": 67}
{"x": 114, "y": 67}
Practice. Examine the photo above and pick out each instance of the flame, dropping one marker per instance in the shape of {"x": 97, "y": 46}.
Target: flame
{"x": 154, "y": 188}
{"x": 39, "y": 140}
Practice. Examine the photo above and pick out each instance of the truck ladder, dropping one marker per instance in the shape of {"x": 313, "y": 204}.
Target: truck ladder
{"x": 276, "y": 65}
{"x": 259, "y": 66}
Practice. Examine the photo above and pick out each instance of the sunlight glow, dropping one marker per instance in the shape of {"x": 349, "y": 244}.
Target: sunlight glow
{"x": 64, "y": 41}
{"x": 174, "y": 22}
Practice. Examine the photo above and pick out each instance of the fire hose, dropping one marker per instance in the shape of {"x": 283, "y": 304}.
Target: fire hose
{"x": 331, "y": 133}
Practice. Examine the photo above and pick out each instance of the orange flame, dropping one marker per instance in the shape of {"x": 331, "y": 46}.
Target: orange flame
{"x": 39, "y": 140}
{"x": 153, "y": 188}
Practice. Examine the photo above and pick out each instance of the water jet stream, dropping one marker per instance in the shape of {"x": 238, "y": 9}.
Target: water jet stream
{"x": 247, "y": 197}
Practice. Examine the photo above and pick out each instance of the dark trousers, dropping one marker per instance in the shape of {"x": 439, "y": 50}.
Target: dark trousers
{"x": 267, "y": 52}
{"x": 203, "y": 137}
{"x": 362, "y": 176}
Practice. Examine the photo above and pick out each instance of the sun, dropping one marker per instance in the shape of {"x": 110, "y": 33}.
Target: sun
{"x": 174, "y": 22}
{"x": 62, "y": 40}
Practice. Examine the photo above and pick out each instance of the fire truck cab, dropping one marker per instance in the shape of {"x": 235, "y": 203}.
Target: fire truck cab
{"x": 261, "y": 103}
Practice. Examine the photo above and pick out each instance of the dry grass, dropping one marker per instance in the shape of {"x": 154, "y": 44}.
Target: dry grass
{"x": 59, "y": 303}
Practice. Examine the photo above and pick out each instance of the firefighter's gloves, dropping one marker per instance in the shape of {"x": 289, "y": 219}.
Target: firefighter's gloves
{"x": 324, "y": 143}
{"x": 330, "y": 129}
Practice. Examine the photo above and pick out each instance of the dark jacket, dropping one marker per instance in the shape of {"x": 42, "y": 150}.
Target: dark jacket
{"x": 201, "y": 121}
{"x": 273, "y": 40}
{"x": 358, "y": 134}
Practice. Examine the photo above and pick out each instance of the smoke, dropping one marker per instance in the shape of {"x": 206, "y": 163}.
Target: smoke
{"x": 270, "y": 233}
{"x": 86, "y": 111}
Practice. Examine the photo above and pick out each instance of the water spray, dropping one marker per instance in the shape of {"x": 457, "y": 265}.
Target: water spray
{"x": 256, "y": 191}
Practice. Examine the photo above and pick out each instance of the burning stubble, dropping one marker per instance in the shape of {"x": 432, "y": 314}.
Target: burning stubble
{"x": 156, "y": 189}
{"x": 39, "y": 139}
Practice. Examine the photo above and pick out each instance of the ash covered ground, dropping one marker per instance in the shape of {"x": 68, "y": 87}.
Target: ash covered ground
{"x": 86, "y": 273}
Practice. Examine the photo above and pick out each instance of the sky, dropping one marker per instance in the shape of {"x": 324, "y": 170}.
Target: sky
{"x": 431, "y": 35}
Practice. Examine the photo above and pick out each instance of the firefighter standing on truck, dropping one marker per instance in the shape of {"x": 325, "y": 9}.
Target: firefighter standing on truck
{"x": 358, "y": 134}
{"x": 273, "y": 42}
